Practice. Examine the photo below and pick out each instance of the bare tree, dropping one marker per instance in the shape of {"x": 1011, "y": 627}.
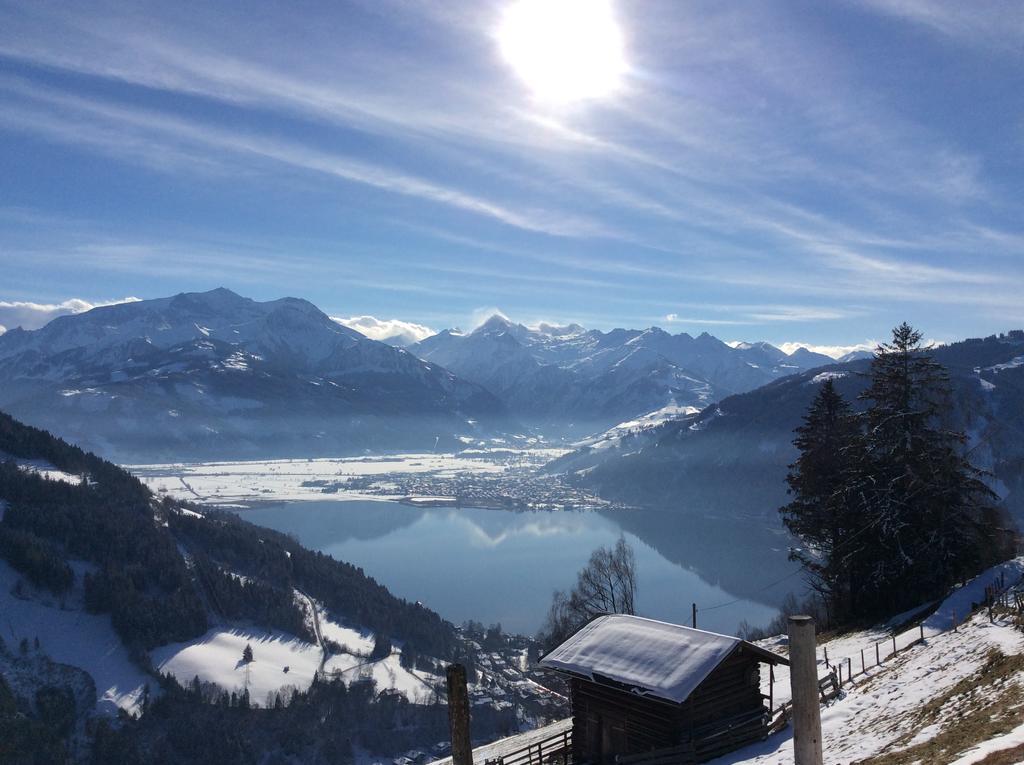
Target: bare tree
{"x": 607, "y": 584}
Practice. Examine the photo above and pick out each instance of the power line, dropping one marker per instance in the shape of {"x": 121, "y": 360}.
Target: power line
{"x": 767, "y": 586}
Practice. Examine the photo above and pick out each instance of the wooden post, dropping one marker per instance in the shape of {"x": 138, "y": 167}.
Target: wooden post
{"x": 825, "y": 649}
{"x": 921, "y": 625}
{"x": 894, "y": 645}
{"x": 849, "y": 668}
{"x": 458, "y": 715}
{"x": 695, "y": 616}
{"x": 803, "y": 677}
{"x": 877, "y": 660}
{"x": 863, "y": 669}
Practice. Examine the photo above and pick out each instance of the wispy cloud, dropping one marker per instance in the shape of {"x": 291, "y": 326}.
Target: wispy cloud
{"x": 173, "y": 131}
{"x": 766, "y": 314}
{"x": 993, "y": 24}
{"x": 756, "y": 156}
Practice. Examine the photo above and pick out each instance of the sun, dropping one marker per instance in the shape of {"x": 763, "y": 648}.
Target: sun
{"x": 564, "y": 50}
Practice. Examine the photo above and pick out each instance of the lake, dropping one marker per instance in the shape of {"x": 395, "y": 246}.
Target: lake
{"x": 501, "y": 566}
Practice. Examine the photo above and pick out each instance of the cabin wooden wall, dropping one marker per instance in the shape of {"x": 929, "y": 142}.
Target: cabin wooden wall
{"x": 608, "y": 720}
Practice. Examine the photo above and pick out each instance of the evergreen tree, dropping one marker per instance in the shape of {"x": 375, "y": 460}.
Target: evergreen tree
{"x": 933, "y": 512}
{"x": 889, "y": 508}
{"x": 824, "y": 513}
{"x": 247, "y": 654}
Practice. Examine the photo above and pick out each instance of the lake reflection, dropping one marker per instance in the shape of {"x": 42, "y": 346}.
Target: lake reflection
{"x": 495, "y": 565}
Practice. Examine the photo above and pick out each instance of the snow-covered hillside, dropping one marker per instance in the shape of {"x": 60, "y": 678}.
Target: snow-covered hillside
{"x": 69, "y": 635}
{"x": 953, "y": 698}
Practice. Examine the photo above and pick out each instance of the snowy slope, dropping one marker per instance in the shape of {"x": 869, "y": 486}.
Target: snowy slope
{"x": 957, "y": 697}
{"x": 946, "y": 697}
{"x": 70, "y": 635}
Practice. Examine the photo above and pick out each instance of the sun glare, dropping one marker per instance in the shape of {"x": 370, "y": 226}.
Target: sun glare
{"x": 564, "y": 50}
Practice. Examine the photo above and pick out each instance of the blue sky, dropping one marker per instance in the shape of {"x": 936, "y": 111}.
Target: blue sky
{"x": 787, "y": 171}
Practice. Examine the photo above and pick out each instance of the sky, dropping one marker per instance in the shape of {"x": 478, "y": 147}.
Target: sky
{"x": 789, "y": 171}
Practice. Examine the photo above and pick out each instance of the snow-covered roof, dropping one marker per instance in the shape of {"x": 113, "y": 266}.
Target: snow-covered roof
{"x": 653, "y": 658}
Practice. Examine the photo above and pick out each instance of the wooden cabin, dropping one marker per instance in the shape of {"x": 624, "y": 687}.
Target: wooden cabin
{"x": 649, "y": 691}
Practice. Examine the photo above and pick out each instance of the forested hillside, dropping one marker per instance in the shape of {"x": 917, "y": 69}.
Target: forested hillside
{"x": 76, "y": 527}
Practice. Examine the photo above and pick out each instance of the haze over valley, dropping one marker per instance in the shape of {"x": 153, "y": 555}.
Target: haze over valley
{"x": 511, "y": 382}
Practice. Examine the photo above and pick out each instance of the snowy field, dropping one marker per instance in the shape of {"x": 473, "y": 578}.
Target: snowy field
{"x": 358, "y": 642}
{"x": 69, "y": 635}
{"x": 239, "y": 483}
{"x": 217, "y": 657}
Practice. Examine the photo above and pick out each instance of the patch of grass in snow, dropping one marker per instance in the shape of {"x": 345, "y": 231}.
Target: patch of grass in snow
{"x": 1013, "y": 756}
{"x": 989, "y": 703}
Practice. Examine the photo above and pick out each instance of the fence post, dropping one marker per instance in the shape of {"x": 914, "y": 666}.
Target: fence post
{"x": 849, "y": 668}
{"x": 803, "y": 678}
{"x": 893, "y": 645}
{"x": 921, "y": 625}
{"x": 458, "y": 715}
{"x": 694, "y": 615}
{"x": 863, "y": 669}
{"x": 878, "y": 661}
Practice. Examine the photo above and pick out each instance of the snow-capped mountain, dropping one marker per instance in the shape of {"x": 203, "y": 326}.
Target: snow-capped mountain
{"x": 693, "y": 462}
{"x": 201, "y": 374}
{"x": 562, "y": 376}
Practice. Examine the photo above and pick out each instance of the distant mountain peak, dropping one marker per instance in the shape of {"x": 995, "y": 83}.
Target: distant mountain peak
{"x": 495, "y": 321}
{"x": 555, "y": 330}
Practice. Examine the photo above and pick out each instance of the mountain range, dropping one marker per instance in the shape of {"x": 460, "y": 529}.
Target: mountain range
{"x": 569, "y": 380}
{"x": 215, "y": 374}
{"x": 730, "y": 459}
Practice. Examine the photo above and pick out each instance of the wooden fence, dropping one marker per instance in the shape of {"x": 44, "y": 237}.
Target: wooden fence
{"x": 848, "y": 669}
{"x": 554, "y": 750}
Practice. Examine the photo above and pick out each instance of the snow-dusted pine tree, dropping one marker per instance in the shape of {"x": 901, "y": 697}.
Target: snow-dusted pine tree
{"x": 823, "y": 513}
{"x": 934, "y": 516}
{"x": 889, "y": 509}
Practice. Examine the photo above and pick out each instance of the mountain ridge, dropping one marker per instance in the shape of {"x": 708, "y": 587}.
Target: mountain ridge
{"x": 692, "y": 462}
{"x": 214, "y": 373}
{"x": 577, "y": 380}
